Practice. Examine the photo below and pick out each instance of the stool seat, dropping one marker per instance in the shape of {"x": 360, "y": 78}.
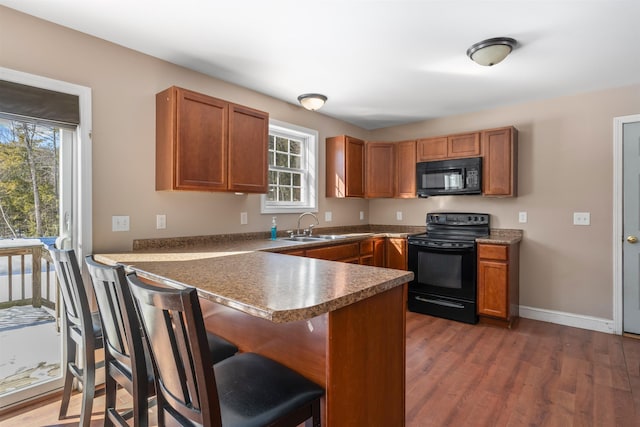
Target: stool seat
{"x": 255, "y": 391}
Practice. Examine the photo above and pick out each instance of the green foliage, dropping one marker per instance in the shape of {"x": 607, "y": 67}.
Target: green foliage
{"x": 20, "y": 141}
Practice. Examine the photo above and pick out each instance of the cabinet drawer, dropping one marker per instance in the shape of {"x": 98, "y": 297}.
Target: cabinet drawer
{"x": 335, "y": 253}
{"x": 498, "y": 252}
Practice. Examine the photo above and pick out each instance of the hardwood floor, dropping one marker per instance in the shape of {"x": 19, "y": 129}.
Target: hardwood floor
{"x": 537, "y": 374}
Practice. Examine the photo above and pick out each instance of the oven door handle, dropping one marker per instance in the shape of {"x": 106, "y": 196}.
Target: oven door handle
{"x": 440, "y": 302}
{"x": 427, "y": 248}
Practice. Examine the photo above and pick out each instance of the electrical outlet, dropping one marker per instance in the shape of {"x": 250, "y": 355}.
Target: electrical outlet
{"x": 327, "y": 216}
{"x": 119, "y": 223}
{"x": 522, "y": 217}
{"x": 243, "y": 218}
{"x": 361, "y": 215}
{"x": 581, "y": 218}
{"x": 399, "y": 215}
{"x": 161, "y": 222}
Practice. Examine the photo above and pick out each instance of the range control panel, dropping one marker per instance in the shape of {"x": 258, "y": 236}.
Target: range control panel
{"x": 458, "y": 218}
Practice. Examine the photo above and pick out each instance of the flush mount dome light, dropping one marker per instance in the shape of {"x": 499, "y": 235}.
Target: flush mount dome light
{"x": 312, "y": 101}
{"x": 491, "y": 51}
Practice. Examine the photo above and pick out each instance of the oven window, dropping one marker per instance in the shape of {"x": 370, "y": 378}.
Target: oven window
{"x": 442, "y": 270}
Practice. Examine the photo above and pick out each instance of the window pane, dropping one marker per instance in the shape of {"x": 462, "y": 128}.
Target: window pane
{"x": 271, "y": 142}
{"x": 295, "y": 147}
{"x": 296, "y": 195}
{"x": 285, "y": 178}
{"x": 282, "y": 160}
{"x": 273, "y": 176}
{"x": 282, "y": 144}
{"x": 295, "y": 162}
{"x": 297, "y": 179}
{"x": 284, "y": 194}
{"x": 271, "y": 195}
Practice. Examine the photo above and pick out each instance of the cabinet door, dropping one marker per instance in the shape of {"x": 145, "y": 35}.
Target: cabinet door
{"x": 396, "y": 253}
{"x": 500, "y": 159}
{"x": 492, "y": 288}
{"x": 345, "y": 167}
{"x": 406, "y": 170}
{"x": 248, "y": 145}
{"x": 191, "y": 131}
{"x": 372, "y": 252}
{"x": 354, "y": 165}
{"x": 366, "y": 252}
{"x": 463, "y": 145}
{"x": 432, "y": 149}
{"x": 380, "y": 169}
{"x": 348, "y": 252}
{"x": 378, "y": 251}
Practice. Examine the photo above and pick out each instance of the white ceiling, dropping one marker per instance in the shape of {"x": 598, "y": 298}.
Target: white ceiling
{"x": 380, "y": 63}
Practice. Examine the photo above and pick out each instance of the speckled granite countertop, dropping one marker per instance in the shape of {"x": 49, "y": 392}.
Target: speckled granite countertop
{"x": 502, "y": 237}
{"x": 243, "y": 274}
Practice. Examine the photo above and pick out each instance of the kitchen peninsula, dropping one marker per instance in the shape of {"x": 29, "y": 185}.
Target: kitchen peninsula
{"x": 339, "y": 324}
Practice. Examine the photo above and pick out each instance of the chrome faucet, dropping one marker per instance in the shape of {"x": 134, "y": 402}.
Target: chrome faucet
{"x": 310, "y": 226}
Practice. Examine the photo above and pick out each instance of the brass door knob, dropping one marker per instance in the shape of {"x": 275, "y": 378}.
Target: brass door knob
{"x": 632, "y": 239}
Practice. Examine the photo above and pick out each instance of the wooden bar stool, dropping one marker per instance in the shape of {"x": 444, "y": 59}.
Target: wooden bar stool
{"x": 127, "y": 360}
{"x": 82, "y": 330}
{"x": 246, "y": 390}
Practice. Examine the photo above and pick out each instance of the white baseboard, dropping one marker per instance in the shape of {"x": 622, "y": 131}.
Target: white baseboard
{"x": 568, "y": 319}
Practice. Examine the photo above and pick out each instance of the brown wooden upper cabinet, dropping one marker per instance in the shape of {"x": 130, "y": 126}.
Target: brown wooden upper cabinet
{"x": 208, "y": 144}
{"x": 380, "y": 169}
{"x": 345, "y": 166}
{"x": 500, "y": 162}
{"x": 449, "y": 147}
{"x": 405, "y": 186}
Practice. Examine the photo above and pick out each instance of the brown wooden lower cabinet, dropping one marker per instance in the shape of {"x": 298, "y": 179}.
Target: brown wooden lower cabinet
{"x": 347, "y": 252}
{"x": 396, "y": 253}
{"x": 498, "y": 288}
{"x": 370, "y": 251}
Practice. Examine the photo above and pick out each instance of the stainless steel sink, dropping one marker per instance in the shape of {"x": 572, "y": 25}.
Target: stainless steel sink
{"x": 332, "y": 236}
{"x": 304, "y": 239}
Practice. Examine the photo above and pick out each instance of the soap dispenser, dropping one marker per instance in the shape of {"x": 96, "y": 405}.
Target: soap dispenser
{"x": 274, "y": 228}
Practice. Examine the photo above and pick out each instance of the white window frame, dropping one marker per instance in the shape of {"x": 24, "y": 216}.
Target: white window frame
{"x": 310, "y": 164}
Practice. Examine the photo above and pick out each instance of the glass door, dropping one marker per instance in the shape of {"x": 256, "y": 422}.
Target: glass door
{"x": 35, "y": 199}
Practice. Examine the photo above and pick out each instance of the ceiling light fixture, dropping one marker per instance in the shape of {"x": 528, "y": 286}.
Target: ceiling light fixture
{"x": 491, "y": 51}
{"x": 312, "y": 101}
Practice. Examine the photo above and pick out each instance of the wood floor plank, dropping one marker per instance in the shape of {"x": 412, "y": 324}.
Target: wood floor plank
{"x": 537, "y": 374}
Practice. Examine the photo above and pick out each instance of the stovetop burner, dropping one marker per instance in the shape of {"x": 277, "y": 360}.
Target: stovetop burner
{"x": 453, "y": 229}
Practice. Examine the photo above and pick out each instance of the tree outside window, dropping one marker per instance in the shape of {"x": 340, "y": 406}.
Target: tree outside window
{"x": 29, "y": 171}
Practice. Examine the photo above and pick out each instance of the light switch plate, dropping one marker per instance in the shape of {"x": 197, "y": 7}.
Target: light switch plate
{"x": 243, "y": 218}
{"x": 327, "y": 216}
{"x": 522, "y": 217}
{"x": 161, "y": 222}
{"x": 399, "y": 215}
{"x": 120, "y": 223}
{"x": 581, "y": 218}
{"x": 361, "y": 215}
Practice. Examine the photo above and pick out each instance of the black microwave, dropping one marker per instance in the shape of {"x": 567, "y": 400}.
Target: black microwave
{"x": 452, "y": 176}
